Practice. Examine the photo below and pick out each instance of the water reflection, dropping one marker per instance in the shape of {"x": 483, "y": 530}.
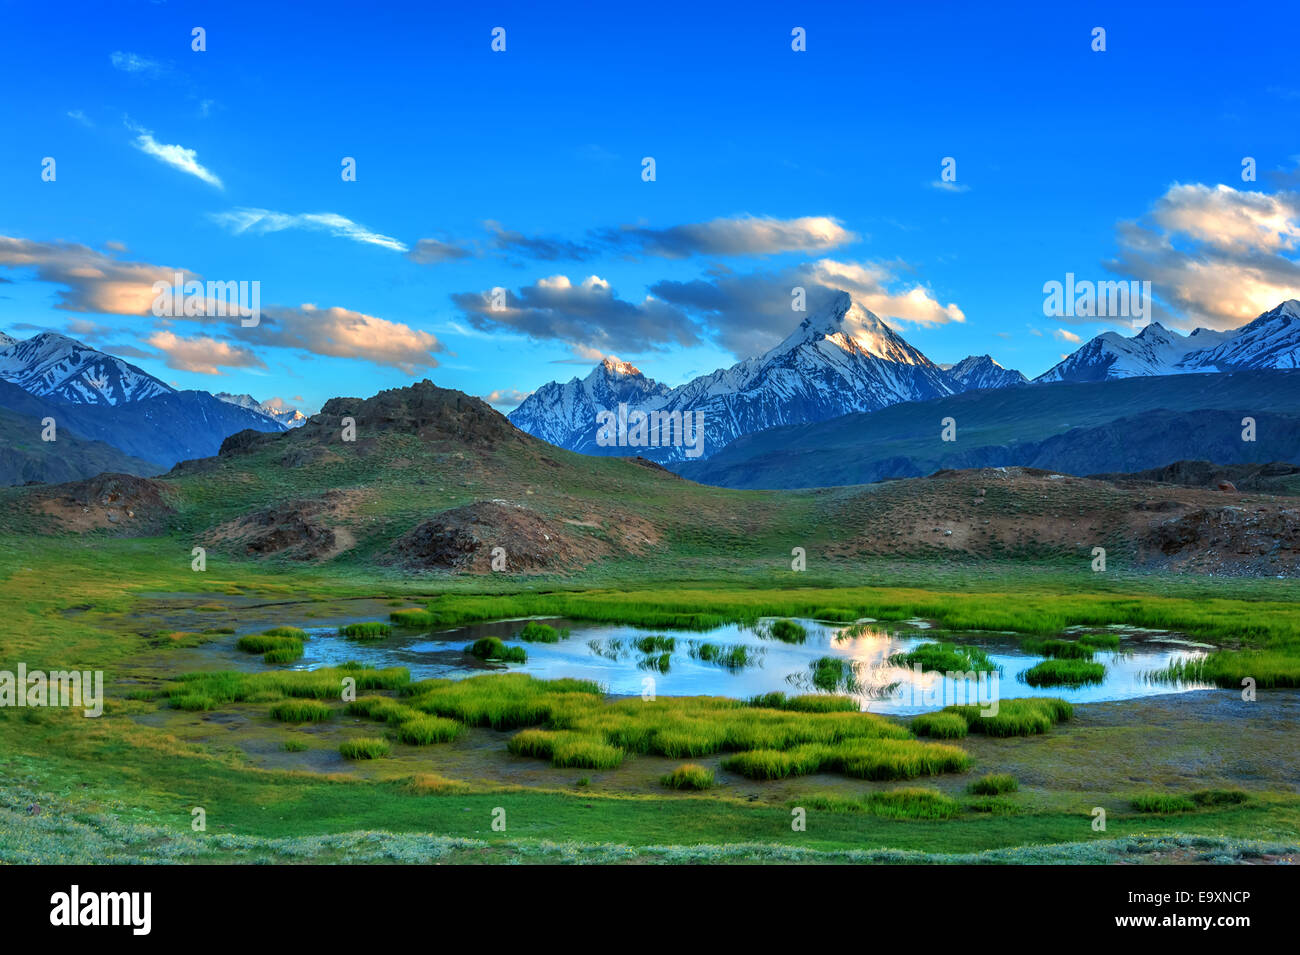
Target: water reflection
{"x": 743, "y": 661}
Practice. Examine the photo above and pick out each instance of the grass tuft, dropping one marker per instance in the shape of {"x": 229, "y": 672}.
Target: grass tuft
{"x": 364, "y": 747}
{"x": 1064, "y": 673}
{"x": 371, "y": 630}
{"x": 491, "y": 648}
{"x": 534, "y": 632}
{"x": 688, "y": 776}
{"x": 994, "y": 784}
{"x": 423, "y": 730}
{"x": 301, "y": 711}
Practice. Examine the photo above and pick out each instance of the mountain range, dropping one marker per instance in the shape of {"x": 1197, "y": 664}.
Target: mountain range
{"x": 837, "y": 368}
{"x": 845, "y": 360}
{"x": 1270, "y": 341}
{"x": 1090, "y": 427}
{"x": 109, "y": 415}
{"x": 840, "y": 359}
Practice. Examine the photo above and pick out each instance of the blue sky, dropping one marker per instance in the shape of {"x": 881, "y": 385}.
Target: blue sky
{"x": 478, "y": 170}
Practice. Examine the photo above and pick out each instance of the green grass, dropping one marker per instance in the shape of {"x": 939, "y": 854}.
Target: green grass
{"x": 688, "y": 776}
{"x": 1027, "y": 716}
{"x": 1064, "y": 673}
{"x": 502, "y": 701}
{"x": 301, "y": 711}
{"x": 267, "y": 642}
{"x": 572, "y": 724}
{"x": 808, "y": 703}
{"x": 1061, "y": 649}
{"x": 382, "y": 708}
{"x": 732, "y": 656}
{"x": 1161, "y": 803}
{"x": 364, "y": 747}
{"x": 661, "y": 663}
{"x": 655, "y": 644}
{"x": 423, "y": 730}
{"x": 1100, "y": 641}
{"x": 372, "y": 630}
{"x": 941, "y": 725}
{"x": 412, "y": 618}
{"x": 876, "y": 759}
{"x": 1174, "y": 802}
{"x": 123, "y": 760}
{"x": 1269, "y": 669}
{"x": 944, "y": 657}
{"x": 328, "y": 683}
{"x": 293, "y": 633}
{"x": 565, "y": 750}
{"x": 283, "y": 655}
{"x": 993, "y": 784}
{"x": 534, "y": 632}
{"x": 833, "y": 673}
{"x": 912, "y": 803}
{"x": 294, "y": 746}
{"x": 788, "y": 631}
{"x": 1219, "y": 797}
{"x": 491, "y": 648}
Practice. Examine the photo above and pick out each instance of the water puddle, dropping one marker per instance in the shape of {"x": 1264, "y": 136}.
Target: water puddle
{"x": 743, "y": 661}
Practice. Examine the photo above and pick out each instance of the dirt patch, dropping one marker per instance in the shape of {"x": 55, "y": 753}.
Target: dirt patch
{"x": 131, "y": 506}
{"x": 1251, "y": 540}
{"x": 1025, "y": 512}
{"x": 299, "y": 530}
{"x": 463, "y": 538}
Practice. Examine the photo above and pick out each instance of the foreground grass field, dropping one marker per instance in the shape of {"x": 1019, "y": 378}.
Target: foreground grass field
{"x": 587, "y": 785}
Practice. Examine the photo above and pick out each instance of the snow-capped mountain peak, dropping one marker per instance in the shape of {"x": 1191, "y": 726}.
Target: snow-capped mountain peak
{"x": 841, "y": 358}
{"x": 981, "y": 371}
{"x": 555, "y": 412}
{"x": 1270, "y": 341}
{"x": 613, "y": 366}
{"x": 851, "y": 327}
{"x": 53, "y": 365}
{"x": 275, "y": 409}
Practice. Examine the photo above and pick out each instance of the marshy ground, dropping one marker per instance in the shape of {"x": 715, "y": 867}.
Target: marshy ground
{"x": 127, "y": 783}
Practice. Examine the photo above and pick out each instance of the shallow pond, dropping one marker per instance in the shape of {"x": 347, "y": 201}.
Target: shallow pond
{"x": 608, "y": 654}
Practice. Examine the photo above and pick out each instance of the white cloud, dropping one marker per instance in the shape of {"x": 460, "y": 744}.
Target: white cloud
{"x": 178, "y": 157}
{"x": 736, "y": 235}
{"x": 1215, "y": 256}
{"x": 506, "y": 397}
{"x": 263, "y": 221}
{"x": 135, "y": 63}
{"x": 206, "y": 356}
{"x": 749, "y": 313}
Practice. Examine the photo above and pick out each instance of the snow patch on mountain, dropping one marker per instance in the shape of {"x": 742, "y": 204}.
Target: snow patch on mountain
{"x": 55, "y": 366}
